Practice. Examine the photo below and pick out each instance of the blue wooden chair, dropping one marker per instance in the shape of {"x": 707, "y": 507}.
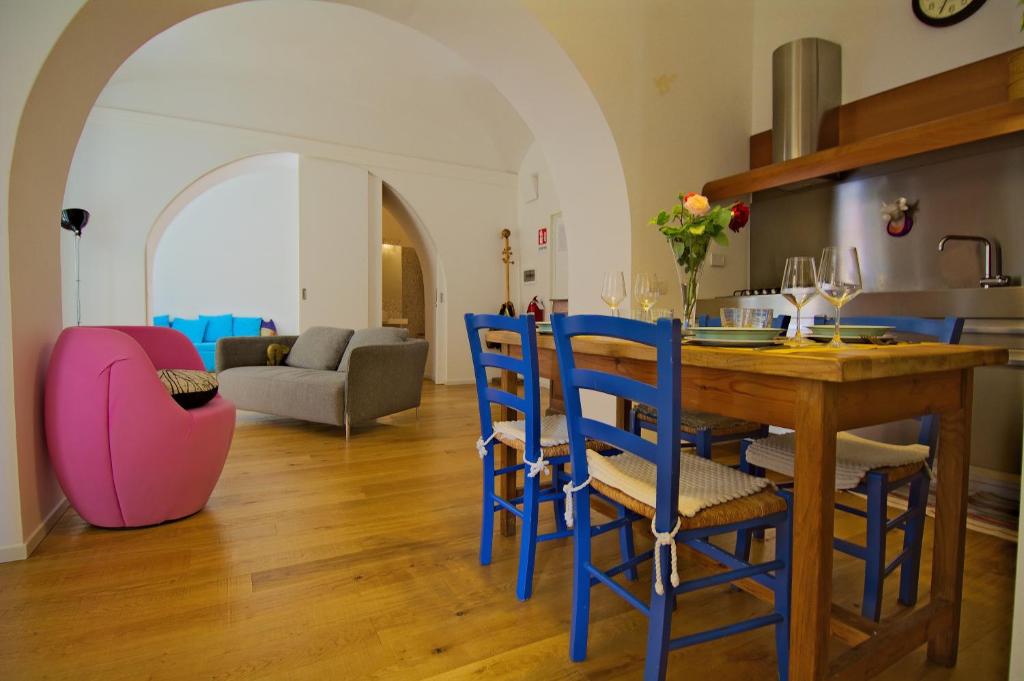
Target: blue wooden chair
{"x": 699, "y": 429}
{"x": 877, "y": 483}
{"x": 660, "y": 477}
{"x": 542, "y": 440}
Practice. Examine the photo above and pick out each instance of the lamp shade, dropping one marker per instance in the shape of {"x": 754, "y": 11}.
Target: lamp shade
{"x": 74, "y": 220}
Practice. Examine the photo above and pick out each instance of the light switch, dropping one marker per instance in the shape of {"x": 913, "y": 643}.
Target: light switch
{"x": 718, "y": 259}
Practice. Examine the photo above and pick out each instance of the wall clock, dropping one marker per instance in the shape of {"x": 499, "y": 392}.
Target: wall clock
{"x": 945, "y": 12}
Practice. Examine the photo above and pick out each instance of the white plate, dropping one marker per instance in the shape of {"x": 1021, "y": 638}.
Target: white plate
{"x": 720, "y": 343}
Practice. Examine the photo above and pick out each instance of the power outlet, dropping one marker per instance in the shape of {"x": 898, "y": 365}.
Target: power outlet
{"x": 718, "y": 259}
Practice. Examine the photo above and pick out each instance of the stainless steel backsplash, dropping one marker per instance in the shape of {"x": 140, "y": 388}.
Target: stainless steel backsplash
{"x": 975, "y": 190}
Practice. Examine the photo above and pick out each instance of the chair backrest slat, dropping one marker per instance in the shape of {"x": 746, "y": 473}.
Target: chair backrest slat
{"x": 619, "y": 438}
{"x": 525, "y": 366}
{"x": 612, "y": 384}
{"x": 664, "y": 395}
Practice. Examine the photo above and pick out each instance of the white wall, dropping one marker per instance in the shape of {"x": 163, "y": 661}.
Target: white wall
{"x": 114, "y": 176}
{"x": 333, "y": 243}
{"x": 234, "y": 249}
{"x": 27, "y": 32}
{"x": 533, "y": 214}
{"x": 883, "y": 43}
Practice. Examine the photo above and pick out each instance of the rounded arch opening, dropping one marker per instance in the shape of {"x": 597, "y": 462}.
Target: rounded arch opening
{"x": 503, "y": 42}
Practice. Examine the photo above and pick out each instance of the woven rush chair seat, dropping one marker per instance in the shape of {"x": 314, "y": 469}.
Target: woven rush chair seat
{"x": 554, "y": 436}
{"x": 710, "y": 494}
{"x": 694, "y": 422}
{"x": 855, "y": 457}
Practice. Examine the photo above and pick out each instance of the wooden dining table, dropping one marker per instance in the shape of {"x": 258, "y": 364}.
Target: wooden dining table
{"x": 818, "y": 392}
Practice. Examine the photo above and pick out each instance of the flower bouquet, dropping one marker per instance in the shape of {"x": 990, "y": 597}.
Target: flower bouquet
{"x": 690, "y": 227}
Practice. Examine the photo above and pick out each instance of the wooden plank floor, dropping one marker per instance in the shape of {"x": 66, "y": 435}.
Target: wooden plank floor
{"x": 321, "y": 559}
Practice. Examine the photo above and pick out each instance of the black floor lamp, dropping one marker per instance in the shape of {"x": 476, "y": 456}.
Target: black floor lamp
{"x": 74, "y": 220}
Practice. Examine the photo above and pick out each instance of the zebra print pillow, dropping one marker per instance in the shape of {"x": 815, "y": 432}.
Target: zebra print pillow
{"x": 190, "y": 388}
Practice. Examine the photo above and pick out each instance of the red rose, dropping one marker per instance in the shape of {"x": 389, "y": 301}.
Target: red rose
{"x": 740, "y": 216}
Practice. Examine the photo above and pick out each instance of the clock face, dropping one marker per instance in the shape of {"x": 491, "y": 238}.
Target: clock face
{"x": 945, "y": 12}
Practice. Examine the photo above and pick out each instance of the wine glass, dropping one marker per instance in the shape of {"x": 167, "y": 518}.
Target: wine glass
{"x": 838, "y": 281}
{"x": 614, "y": 291}
{"x": 799, "y": 280}
{"x": 645, "y": 293}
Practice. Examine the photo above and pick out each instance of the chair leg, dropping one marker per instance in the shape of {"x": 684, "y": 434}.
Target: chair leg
{"x": 581, "y": 577}
{"x": 487, "y": 526}
{"x": 559, "y": 505}
{"x": 874, "y": 569}
{"x": 626, "y": 545}
{"x": 634, "y": 423}
{"x": 913, "y": 536}
{"x": 742, "y": 550}
{"x": 783, "y": 585}
{"x": 704, "y": 444}
{"x": 528, "y": 540}
{"x": 659, "y": 625}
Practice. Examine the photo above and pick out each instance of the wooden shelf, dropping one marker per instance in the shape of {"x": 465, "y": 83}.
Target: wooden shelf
{"x": 970, "y": 103}
{"x": 973, "y": 126}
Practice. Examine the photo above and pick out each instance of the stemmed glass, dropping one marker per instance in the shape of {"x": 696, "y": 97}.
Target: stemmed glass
{"x": 838, "y": 281}
{"x": 645, "y": 293}
{"x": 614, "y": 291}
{"x": 798, "y": 287}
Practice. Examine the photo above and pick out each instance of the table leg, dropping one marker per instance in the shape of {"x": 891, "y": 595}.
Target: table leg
{"x": 813, "y": 517}
{"x": 506, "y": 455}
{"x": 953, "y": 475}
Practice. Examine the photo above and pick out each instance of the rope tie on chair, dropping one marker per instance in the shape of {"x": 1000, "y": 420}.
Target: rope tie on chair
{"x": 569, "y": 492}
{"x": 665, "y": 539}
{"x": 928, "y": 470}
{"x": 481, "y": 444}
{"x": 536, "y": 467}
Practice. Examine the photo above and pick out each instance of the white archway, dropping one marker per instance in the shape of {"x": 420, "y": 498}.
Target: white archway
{"x": 502, "y": 41}
{"x": 200, "y": 186}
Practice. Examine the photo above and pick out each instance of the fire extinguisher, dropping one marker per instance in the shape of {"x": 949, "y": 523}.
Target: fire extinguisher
{"x": 536, "y": 308}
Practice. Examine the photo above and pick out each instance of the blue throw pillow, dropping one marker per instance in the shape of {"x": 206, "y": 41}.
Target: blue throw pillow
{"x": 217, "y": 327}
{"x": 247, "y": 326}
{"x": 163, "y": 320}
{"x": 192, "y": 328}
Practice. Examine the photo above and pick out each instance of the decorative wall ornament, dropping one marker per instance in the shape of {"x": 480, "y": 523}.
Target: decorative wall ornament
{"x": 899, "y": 216}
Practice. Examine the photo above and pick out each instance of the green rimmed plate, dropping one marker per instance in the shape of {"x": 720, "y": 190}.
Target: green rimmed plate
{"x": 734, "y": 333}
{"x": 849, "y": 331}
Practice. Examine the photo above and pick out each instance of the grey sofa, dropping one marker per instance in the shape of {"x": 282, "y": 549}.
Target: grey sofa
{"x": 334, "y": 376}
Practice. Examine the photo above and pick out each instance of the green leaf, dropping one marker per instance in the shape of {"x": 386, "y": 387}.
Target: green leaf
{"x": 723, "y": 217}
{"x": 662, "y": 218}
{"x": 721, "y": 239}
{"x": 698, "y": 228}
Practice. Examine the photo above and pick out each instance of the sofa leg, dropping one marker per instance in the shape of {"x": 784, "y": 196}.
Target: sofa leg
{"x": 347, "y": 428}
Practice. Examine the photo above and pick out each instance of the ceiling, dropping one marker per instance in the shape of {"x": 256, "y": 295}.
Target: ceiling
{"x": 325, "y": 72}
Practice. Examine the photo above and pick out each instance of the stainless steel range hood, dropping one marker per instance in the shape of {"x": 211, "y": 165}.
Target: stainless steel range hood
{"x": 807, "y": 89}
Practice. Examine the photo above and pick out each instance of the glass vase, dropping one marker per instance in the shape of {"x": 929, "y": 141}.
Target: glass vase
{"x": 689, "y": 285}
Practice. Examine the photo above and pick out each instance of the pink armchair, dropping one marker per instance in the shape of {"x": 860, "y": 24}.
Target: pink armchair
{"x": 125, "y": 453}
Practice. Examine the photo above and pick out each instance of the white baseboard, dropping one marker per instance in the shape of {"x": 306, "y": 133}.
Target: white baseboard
{"x": 14, "y": 552}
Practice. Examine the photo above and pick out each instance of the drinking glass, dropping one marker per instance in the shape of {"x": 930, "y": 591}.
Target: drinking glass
{"x": 730, "y": 316}
{"x": 614, "y": 291}
{"x": 757, "y": 318}
{"x": 799, "y": 280}
{"x": 645, "y": 293}
{"x": 838, "y": 281}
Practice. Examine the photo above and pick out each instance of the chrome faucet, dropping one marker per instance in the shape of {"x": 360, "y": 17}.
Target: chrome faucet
{"x": 990, "y": 279}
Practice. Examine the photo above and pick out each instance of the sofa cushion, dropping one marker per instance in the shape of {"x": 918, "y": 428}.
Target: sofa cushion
{"x": 319, "y": 347}
{"x": 217, "y": 327}
{"x": 190, "y": 388}
{"x": 308, "y": 394}
{"x": 386, "y": 335}
{"x": 192, "y": 328}
{"x": 163, "y": 320}
{"x": 246, "y": 326}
